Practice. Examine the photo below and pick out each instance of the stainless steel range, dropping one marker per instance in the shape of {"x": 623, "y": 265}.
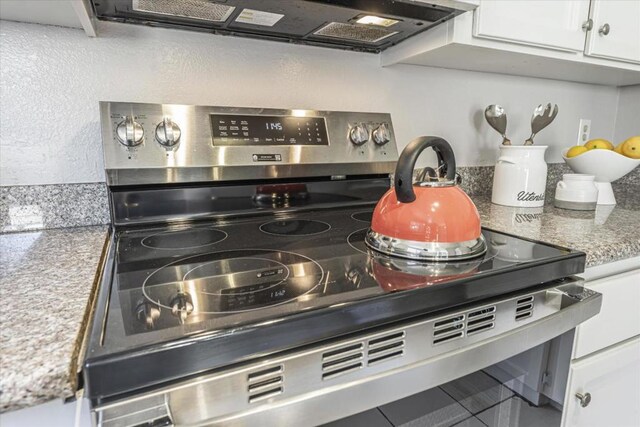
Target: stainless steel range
{"x": 237, "y": 288}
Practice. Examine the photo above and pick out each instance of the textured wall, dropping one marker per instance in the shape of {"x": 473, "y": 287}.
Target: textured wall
{"x": 628, "y": 116}
{"x": 52, "y": 78}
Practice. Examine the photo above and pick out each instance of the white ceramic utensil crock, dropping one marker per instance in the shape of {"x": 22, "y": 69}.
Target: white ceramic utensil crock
{"x": 520, "y": 176}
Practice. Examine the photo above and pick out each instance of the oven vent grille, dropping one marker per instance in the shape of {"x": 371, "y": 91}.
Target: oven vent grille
{"x": 449, "y": 329}
{"x": 342, "y": 360}
{"x": 464, "y": 324}
{"x": 265, "y": 383}
{"x": 481, "y": 320}
{"x": 386, "y": 347}
{"x": 194, "y": 9}
{"x": 524, "y": 308}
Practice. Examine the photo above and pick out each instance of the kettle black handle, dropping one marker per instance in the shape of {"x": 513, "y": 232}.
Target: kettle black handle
{"x": 403, "y": 180}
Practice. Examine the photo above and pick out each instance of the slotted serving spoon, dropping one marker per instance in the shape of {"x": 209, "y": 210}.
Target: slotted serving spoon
{"x": 542, "y": 117}
{"x": 497, "y": 119}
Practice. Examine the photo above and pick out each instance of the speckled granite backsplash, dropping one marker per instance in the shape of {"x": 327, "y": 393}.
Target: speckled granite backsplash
{"x": 39, "y": 207}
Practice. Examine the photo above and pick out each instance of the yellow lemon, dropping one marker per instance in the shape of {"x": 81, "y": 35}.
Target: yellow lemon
{"x": 599, "y": 144}
{"x": 631, "y": 147}
{"x": 576, "y": 151}
{"x": 618, "y": 148}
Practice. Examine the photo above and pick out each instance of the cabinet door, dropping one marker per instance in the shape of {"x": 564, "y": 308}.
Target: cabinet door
{"x": 612, "y": 378}
{"x": 619, "y": 317}
{"x": 623, "y": 39}
{"x": 549, "y": 24}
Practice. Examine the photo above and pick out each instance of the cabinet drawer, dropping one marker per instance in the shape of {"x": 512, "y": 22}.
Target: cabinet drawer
{"x": 612, "y": 379}
{"x": 619, "y": 318}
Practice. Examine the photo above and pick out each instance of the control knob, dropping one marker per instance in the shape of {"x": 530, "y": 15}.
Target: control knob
{"x": 129, "y": 132}
{"x": 381, "y": 134}
{"x": 147, "y": 313}
{"x": 359, "y": 134}
{"x": 168, "y": 132}
{"x": 181, "y": 306}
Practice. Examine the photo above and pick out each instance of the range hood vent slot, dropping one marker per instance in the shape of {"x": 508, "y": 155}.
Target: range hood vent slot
{"x": 354, "y": 32}
{"x": 195, "y": 9}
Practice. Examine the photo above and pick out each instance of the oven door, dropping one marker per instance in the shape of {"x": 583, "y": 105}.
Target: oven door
{"x": 512, "y": 339}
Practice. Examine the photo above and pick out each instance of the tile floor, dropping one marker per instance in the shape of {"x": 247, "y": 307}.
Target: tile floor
{"x": 476, "y": 400}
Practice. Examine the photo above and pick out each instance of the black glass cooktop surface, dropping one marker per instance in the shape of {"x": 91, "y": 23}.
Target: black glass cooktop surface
{"x": 218, "y": 276}
{"x": 215, "y": 293}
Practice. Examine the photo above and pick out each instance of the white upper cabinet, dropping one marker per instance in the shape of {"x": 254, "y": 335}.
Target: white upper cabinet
{"x": 551, "y": 24}
{"x": 615, "y": 30}
{"x": 537, "y": 38}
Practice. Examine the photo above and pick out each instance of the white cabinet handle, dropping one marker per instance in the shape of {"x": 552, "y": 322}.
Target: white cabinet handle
{"x": 587, "y": 25}
{"x": 584, "y": 399}
{"x": 604, "y": 30}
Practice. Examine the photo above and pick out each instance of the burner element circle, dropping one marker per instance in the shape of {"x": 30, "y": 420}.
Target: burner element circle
{"x": 295, "y": 227}
{"x": 276, "y": 271}
{"x": 232, "y": 281}
{"x": 188, "y": 238}
{"x": 365, "y": 216}
{"x": 356, "y": 240}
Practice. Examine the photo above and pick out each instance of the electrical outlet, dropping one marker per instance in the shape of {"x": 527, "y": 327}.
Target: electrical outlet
{"x": 584, "y": 131}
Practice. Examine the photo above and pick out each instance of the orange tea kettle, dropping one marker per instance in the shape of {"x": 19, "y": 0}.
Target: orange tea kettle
{"x": 431, "y": 220}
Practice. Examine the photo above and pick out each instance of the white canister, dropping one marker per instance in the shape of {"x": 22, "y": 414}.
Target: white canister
{"x": 520, "y": 176}
{"x": 576, "y": 191}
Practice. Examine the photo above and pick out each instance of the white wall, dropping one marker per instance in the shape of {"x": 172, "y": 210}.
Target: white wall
{"x": 52, "y": 78}
{"x": 628, "y": 116}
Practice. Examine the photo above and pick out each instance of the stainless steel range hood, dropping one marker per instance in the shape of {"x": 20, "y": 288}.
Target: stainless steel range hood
{"x": 363, "y": 25}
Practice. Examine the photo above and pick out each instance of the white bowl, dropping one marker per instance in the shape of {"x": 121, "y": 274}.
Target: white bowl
{"x": 606, "y": 165}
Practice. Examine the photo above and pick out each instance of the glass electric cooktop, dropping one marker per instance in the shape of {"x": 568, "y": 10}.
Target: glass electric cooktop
{"x": 172, "y": 282}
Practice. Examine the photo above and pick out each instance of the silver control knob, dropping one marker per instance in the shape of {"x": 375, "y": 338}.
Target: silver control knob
{"x": 381, "y": 134}
{"x": 168, "y": 132}
{"x": 181, "y": 306}
{"x": 130, "y": 132}
{"x": 147, "y": 313}
{"x": 359, "y": 134}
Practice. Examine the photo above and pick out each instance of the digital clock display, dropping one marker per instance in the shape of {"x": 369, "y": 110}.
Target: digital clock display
{"x": 243, "y": 130}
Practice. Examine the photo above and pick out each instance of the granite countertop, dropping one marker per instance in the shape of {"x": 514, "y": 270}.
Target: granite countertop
{"x": 46, "y": 284}
{"x": 610, "y": 233}
{"x": 49, "y": 278}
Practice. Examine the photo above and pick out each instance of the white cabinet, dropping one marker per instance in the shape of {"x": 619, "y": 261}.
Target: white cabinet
{"x": 616, "y": 30}
{"x": 536, "y": 38}
{"x": 51, "y": 414}
{"x": 551, "y": 24}
{"x": 619, "y": 317}
{"x": 612, "y": 381}
{"x": 606, "y": 353}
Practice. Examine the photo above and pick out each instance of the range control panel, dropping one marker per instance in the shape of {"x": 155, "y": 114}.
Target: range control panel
{"x": 233, "y": 129}
{"x": 204, "y": 143}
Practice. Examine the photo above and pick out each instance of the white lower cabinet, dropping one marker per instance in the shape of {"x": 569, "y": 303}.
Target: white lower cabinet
{"x": 619, "y": 317}
{"x": 611, "y": 381}
{"x": 603, "y": 385}
{"x": 55, "y": 413}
